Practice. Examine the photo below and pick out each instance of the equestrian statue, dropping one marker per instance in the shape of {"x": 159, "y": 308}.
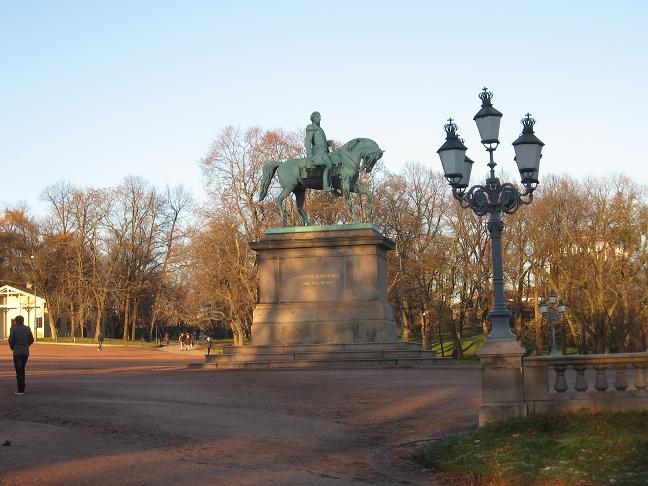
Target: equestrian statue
{"x": 331, "y": 171}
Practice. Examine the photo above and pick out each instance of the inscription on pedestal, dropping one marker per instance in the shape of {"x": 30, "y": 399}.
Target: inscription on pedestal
{"x": 318, "y": 279}
{"x": 311, "y": 279}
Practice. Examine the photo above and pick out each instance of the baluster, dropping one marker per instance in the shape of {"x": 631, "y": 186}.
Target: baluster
{"x": 561, "y": 383}
{"x": 601, "y": 383}
{"x": 620, "y": 382}
{"x": 581, "y": 382}
{"x": 640, "y": 376}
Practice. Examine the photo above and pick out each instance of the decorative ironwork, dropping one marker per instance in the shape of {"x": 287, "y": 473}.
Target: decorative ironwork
{"x": 493, "y": 197}
{"x": 486, "y": 96}
{"x": 450, "y": 127}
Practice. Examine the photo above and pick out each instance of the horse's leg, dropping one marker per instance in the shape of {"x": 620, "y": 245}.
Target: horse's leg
{"x": 285, "y": 192}
{"x": 346, "y": 191}
{"x": 300, "y": 197}
{"x": 360, "y": 189}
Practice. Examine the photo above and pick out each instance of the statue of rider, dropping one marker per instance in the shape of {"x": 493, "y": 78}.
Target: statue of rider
{"x": 317, "y": 147}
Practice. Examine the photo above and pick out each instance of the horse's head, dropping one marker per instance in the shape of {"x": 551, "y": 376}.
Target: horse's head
{"x": 371, "y": 154}
{"x": 364, "y": 150}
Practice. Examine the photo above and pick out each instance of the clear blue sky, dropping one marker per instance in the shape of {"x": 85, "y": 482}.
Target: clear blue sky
{"x": 93, "y": 91}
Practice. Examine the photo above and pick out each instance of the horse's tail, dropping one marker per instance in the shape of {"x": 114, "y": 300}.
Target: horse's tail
{"x": 269, "y": 169}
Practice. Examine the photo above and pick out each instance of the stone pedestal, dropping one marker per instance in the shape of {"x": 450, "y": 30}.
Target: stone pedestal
{"x": 323, "y": 285}
{"x": 502, "y": 381}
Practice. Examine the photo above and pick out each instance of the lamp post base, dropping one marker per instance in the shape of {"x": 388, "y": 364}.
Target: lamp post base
{"x": 502, "y": 381}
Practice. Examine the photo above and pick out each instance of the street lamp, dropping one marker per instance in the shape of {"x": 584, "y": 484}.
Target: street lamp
{"x": 493, "y": 197}
{"x": 402, "y": 294}
{"x": 553, "y": 313}
{"x": 31, "y": 264}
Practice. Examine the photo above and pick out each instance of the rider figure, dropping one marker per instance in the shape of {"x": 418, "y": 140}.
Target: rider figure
{"x": 317, "y": 147}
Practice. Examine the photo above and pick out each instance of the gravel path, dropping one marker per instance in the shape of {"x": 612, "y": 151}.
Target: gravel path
{"x": 133, "y": 415}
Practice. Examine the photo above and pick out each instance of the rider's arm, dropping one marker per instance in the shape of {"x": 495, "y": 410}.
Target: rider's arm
{"x": 308, "y": 141}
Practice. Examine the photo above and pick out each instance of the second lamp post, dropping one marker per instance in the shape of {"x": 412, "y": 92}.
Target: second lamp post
{"x": 553, "y": 313}
{"x": 493, "y": 197}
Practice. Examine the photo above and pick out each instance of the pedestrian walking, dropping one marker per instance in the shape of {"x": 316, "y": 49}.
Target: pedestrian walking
{"x": 181, "y": 341}
{"x": 187, "y": 341}
{"x": 209, "y": 345}
{"x": 20, "y": 338}
{"x": 100, "y": 340}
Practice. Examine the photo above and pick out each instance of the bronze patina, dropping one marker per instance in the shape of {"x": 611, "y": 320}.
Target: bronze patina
{"x": 323, "y": 170}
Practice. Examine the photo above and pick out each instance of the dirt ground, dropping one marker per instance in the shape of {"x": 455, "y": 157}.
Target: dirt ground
{"x": 130, "y": 415}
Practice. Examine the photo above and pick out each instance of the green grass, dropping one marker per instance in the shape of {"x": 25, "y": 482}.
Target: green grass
{"x": 609, "y": 448}
{"x": 470, "y": 343}
{"x": 87, "y": 340}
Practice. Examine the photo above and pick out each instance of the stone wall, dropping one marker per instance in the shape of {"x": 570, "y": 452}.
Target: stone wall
{"x": 516, "y": 386}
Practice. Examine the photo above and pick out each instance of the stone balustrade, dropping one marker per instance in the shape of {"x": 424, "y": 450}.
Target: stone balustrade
{"x": 596, "y": 382}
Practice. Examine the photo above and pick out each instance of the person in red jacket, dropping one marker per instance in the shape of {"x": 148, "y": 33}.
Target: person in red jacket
{"x": 20, "y": 338}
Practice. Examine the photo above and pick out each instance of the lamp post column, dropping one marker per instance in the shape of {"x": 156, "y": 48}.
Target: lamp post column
{"x": 554, "y": 349}
{"x": 499, "y": 313}
{"x": 404, "y": 325}
{"x": 501, "y": 355}
{"x": 35, "y": 314}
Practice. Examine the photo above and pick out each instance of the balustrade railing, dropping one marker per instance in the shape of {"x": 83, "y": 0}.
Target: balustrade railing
{"x": 597, "y": 381}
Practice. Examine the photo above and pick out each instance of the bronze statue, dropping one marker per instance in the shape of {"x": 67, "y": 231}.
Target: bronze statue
{"x": 346, "y": 163}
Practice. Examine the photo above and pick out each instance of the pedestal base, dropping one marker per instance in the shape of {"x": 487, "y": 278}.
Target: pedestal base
{"x": 323, "y": 284}
{"x": 502, "y": 381}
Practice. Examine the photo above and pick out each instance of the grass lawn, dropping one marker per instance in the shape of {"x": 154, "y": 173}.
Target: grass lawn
{"x": 585, "y": 449}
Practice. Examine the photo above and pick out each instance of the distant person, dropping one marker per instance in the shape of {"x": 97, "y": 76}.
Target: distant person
{"x": 100, "y": 340}
{"x": 181, "y": 341}
{"x": 187, "y": 341}
{"x": 20, "y": 338}
{"x": 209, "y": 345}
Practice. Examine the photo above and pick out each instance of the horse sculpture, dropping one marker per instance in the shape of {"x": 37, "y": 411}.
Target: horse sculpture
{"x": 297, "y": 175}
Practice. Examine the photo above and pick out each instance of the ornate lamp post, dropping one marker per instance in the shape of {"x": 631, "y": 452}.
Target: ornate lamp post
{"x": 492, "y": 197}
{"x": 33, "y": 288}
{"x": 553, "y": 313}
{"x": 402, "y": 294}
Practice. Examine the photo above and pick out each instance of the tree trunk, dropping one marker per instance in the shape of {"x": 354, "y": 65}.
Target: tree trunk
{"x": 405, "y": 317}
{"x": 72, "y": 322}
{"x": 51, "y": 317}
{"x": 134, "y": 319}
{"x": 237, "y": 331}
{"x": 404, "y": 323}
{"x": 440, "y": 329}
{"x": 126, "y": 318}
{"x": 153, "y": 316}
{"x": 457, "y": 350}
{"x": 98, "y": 320}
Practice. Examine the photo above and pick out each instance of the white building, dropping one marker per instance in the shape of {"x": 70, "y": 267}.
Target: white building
{"x": 14, "y": 302}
